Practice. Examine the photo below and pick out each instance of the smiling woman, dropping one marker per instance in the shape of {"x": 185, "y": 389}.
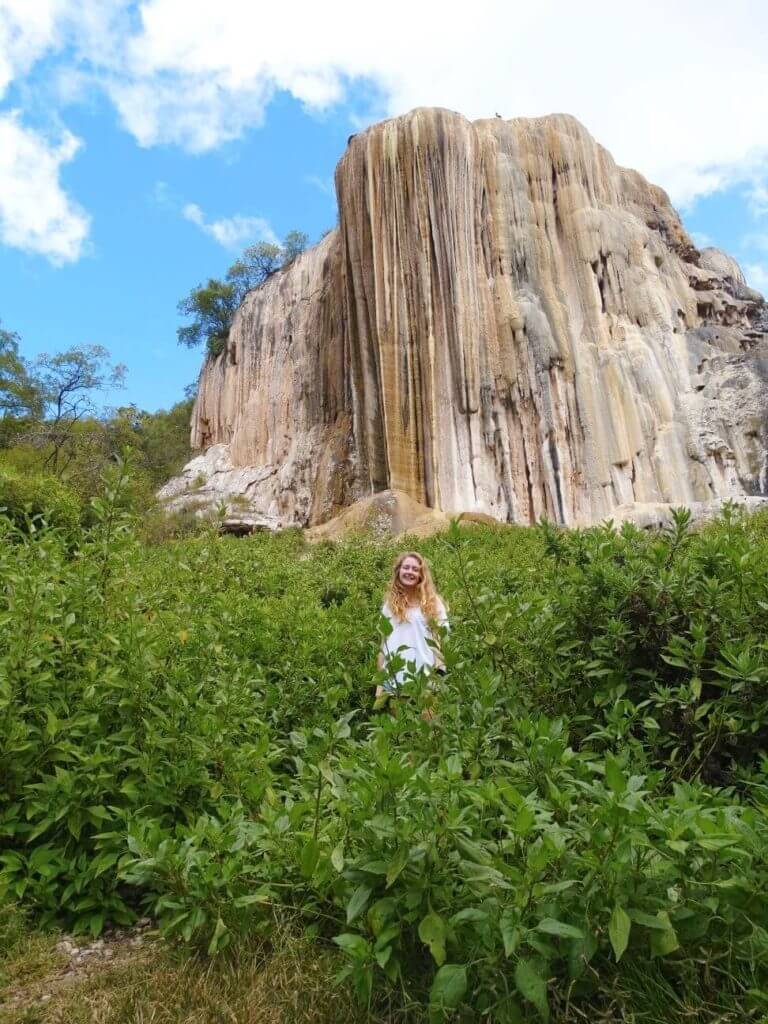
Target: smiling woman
{"x": 413, "y": 608}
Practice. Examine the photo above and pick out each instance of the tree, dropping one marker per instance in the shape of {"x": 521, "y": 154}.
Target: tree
{"x": 212, "y": 306}
{"x": 260, "y": 262}
{"x": 19, "y": 395}
{"x": 294, "y": 244}
{"x": 67, "y": 382}
{"x": 165, "y": 440}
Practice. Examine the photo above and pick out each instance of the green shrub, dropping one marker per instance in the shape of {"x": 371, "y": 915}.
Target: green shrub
{"x": 660, "y": 638}
{"x": 31, "y": 500}
{"x": 188, "y": 732}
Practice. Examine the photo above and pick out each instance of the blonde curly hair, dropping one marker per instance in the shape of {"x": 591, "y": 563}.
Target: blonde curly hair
{"x": 398, "y": 597}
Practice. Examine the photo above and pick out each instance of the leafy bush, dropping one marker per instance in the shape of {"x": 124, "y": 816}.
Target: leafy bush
{"x": 31, "y": 500}
{"x": 657, "y": 638}
{"x": 188, "y": 732}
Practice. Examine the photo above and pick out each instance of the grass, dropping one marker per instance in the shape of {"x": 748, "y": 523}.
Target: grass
{"x": 292, "y": 980}
{"x": 289, "y": 982}
{"x": 25, "y": 954}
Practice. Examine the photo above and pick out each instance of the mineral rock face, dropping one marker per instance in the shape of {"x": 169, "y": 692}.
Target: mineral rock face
{"x": 506, "y": 322}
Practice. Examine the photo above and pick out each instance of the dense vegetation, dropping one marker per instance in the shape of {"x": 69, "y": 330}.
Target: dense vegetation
{"x": 580, "y": 831}
{"x": 56, "y": 442}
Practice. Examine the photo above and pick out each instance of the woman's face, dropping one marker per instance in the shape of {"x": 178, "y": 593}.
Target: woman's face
{"x": 410, "y": 572}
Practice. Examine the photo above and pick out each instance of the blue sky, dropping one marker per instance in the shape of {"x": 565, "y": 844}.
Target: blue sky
{"x": 142, "y": 255}
{"x": 144, "y": 144}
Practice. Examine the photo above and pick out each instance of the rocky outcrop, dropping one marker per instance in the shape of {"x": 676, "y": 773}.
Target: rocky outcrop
{"x": 505, "y": 322}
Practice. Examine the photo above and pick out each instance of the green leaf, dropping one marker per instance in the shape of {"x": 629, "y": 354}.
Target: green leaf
{"x": 354, "y": 945}
{"x": 472, "y": 851}
{"x": 483, "y": 873}
{"x": 614, "y": 775}
{"x": 309, "y": 858}
{"x": 473, "y": 914}
{"x": 219, "y": 931}
{"x": 397, "y": 864}
{"x": 532, "y": 986}
{"x": 250, "y": 898}
{"x": 358, "y": 903}
{"x": 524, "y": 820}
{"x": 678, "y": 845}
{"x": 565, "y": 931}
{"x": 380, "y": 915}
{"x": 374, "y": 867}
{"x": 717, "y": 842}
{"x": 432, "y": 934}
{"x": 648, "y": 921}
{"x": 98, "y": 812}
{"x": 337, "y": 857}
{"x": 618, "y": 931}
{"x": 382, "y": 956}
{"x": 52, "y": 726}
{"x": 510, "y": 933}
{"x": 448, "y": 988}
{"x": 663, "y": 942}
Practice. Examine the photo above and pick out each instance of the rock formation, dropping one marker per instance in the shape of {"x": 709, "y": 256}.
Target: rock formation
{"x": 504, "y": 322}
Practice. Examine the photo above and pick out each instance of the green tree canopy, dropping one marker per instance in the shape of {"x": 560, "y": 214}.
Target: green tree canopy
{"x": 19, "y": 394}
{"x": 295, "y": 242}
{"x": 211, "y": 307}
{"x": 164, "y": 440}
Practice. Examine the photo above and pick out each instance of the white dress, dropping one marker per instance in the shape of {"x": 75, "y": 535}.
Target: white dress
{"x": 410, "y": 640}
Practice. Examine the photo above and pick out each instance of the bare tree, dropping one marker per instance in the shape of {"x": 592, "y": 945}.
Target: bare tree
{"x": 67, "y": 382}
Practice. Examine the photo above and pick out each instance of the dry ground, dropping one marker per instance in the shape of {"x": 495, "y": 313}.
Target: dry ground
{"x": 134, "y": 978}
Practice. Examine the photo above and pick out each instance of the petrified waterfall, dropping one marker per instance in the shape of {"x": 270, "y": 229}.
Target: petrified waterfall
{"x": 505, "y": 321}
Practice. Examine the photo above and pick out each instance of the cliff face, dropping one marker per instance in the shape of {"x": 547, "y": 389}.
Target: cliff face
{"x": 504, "y": 322}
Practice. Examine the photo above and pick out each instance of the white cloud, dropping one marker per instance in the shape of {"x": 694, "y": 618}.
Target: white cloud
{"x": 27, "y": 31}
{"x": 232, "y": 232}
{"x": 186, "y": 110}
{"x": 757, "y": 276}
{"x": 671, "y": 90}
{"x": 31, "y": 29}
{"x": 36, "y": 215}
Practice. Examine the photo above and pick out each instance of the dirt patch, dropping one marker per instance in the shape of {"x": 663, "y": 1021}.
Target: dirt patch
{"x": 77, "y": 961}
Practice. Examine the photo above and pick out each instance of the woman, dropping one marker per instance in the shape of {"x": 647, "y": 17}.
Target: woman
{"x": 413, "y": 608}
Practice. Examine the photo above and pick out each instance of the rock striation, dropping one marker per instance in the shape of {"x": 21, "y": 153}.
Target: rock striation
{"x": 505, "y": 322}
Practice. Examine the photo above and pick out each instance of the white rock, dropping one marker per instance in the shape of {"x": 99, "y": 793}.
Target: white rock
{"x": 505, "y": 322}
